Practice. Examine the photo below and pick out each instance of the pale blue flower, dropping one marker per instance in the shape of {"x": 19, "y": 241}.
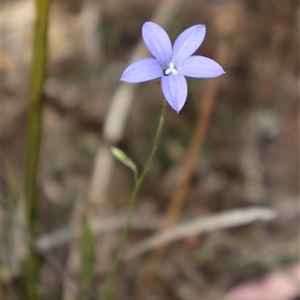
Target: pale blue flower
{"x": 172, "y": 64}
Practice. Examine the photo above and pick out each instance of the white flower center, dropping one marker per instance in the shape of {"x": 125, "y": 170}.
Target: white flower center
{"x": 171, "y": 70}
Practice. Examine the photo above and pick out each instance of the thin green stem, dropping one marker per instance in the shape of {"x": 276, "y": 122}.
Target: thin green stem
{"x": 87, "y": 257}
{"x": 33, "y": 138}
{"x": 138, "y": 184}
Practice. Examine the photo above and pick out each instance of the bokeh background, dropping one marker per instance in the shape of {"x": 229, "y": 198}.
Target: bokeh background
{"x": 249, "y": 158}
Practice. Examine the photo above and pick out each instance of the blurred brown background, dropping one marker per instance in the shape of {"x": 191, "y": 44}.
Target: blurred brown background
{"x": 250, "y": 155}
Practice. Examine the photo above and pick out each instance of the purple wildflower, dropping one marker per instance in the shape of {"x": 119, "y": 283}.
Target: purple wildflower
{"x": 172, "y": 64}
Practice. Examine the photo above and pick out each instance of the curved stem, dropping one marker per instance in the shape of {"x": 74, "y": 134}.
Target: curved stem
{"x": 138, "y": 184}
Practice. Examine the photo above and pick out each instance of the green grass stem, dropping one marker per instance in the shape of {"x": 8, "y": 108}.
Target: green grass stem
{"x": 39, "y": 59}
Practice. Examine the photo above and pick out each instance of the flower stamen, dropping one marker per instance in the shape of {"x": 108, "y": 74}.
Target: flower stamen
{"x": 171, "y": 70}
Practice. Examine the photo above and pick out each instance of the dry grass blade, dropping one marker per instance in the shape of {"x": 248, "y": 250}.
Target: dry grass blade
{"x": 218, "y": 221}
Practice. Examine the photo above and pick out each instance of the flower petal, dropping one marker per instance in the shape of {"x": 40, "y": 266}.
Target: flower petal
{"x": 142, "y": 70}
{"x": 175, "y": 90}
{"x": 188, "y": 42}
{"x": 158, "y": 42}
{"x": 201, "y": 67}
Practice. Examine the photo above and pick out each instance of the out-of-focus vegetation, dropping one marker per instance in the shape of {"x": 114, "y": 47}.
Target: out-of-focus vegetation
{"x": 250, "y": 155}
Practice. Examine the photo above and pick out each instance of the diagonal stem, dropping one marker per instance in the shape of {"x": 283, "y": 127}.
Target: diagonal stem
{"x": 138, "y": 184}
